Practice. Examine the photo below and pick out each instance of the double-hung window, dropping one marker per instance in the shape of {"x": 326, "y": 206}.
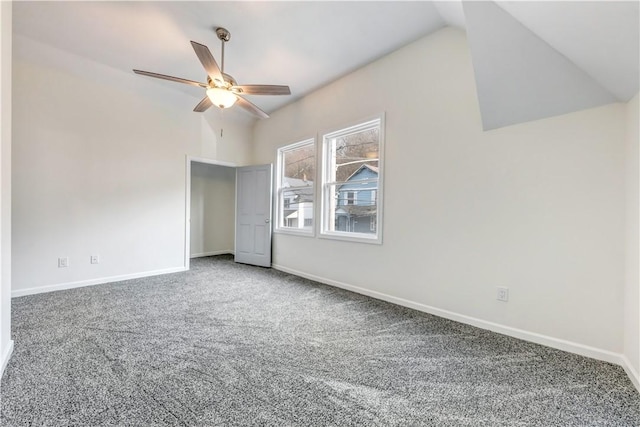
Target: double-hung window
{"x": 296, "y": 172}
{"x": 351, "y": 182}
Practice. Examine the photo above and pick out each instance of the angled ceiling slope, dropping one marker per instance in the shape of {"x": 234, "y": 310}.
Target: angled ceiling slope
{"x": 601, "y": 37}
{"x": 519, "y": 76}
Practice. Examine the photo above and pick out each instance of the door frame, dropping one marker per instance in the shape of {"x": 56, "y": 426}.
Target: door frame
{"x": 187, "y": 209}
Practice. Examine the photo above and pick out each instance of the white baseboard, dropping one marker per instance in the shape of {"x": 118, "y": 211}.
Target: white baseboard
{"x": 91, "y": 282}
{"x": 5, "y": 357}
{"x": 633, "y": 375}
{"x": 203, "y": 254}
{"x": 557, "y": 343}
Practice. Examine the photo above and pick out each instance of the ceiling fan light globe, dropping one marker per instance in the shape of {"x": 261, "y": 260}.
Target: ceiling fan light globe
{"x": 221, "y": 98}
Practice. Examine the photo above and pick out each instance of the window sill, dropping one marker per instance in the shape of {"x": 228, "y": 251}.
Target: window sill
{"x": 352, "y": 237}
{"x": 294, "y": 232}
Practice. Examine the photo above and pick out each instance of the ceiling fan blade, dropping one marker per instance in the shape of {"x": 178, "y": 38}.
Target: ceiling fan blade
{"x": 208, "y": 62}
{"x": 251, "y": 108}
{"x": 262, "y": 89}
{"x": 203, "y": 105}
{"x": 173, "y": 79}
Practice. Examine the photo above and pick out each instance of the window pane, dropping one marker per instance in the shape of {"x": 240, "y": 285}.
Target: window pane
{"x": 351, "y": 178}
{"x": 297, "y": 209}
{"x": 353, "y": 211}
{"x": 354, "y": 150}
{"x": 299, "y": 165}
{"x": 296, "y": 170}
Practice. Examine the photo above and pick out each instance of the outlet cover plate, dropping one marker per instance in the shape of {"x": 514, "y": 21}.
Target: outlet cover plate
{"x": 502, "y": 294}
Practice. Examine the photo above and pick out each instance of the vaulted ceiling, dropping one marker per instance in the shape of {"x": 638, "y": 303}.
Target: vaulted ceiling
{"x": 531, "y": 59}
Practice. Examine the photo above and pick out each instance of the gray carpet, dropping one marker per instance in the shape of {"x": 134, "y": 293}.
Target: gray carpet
{"x": 228, "y": 344}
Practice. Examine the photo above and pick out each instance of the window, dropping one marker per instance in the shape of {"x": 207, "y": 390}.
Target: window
{"x": 351, "y": 198}
{"x": 296, "y": 171}
{"x": 351, "y": 182}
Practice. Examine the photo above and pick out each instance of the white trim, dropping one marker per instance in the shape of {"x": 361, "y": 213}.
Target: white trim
{"x": 211, "y": 162}
{"x": 633, "y": 375}
{"x": 278, "y": 189}
{"x": 91, "y": 282}
{"x": 557, "y": 343}
{"x": 351, "y": 236}
{"x": 213, "y": 253}
{"x": 5, "y": 357}
{"x": 294, "y": 231}
{"x": 325, "y": 196}
{"x": 187, "y": 213}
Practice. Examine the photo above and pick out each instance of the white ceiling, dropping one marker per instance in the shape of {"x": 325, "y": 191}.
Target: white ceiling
{"x": 308, "y": 44}
{"x": 301, "y": 44}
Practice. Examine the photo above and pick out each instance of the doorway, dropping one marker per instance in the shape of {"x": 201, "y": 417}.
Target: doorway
{"x": 210, "y": 208}
{"x": 228, "y": 211}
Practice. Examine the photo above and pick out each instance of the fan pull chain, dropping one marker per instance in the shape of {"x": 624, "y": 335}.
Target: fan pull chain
{"x": 221, "y": 119}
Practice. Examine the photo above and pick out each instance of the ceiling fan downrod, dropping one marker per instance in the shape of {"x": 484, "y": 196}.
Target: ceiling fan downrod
{"x": 224, "y": 35}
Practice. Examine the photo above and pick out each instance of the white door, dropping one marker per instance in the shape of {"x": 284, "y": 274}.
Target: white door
{"x": 253, "y": 215}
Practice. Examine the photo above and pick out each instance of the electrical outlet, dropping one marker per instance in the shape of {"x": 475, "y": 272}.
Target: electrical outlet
{"x": 63, "y": 262}
{"x": 95, "y": 259}
{"x": 503, "y": 294}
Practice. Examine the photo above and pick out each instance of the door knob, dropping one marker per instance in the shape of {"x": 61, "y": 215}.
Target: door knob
{"x": 266, "y": 220}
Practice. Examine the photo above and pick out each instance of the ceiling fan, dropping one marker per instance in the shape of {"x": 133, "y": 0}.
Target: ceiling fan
{"x": 222, "y": 90}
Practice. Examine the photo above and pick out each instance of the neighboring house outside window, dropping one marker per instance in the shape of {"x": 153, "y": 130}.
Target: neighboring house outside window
{"x": 356, "y": 210}
{"x": 294, "y": 185}
{"x": 351, "y": 182}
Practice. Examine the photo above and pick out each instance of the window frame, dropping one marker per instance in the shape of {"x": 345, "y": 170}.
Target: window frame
{"x": 279, "y": 226}
{"x": 324, "y": 185}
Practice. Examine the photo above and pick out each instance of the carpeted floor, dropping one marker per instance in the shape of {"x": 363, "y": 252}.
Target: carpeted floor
{"x": 228, "y": 344}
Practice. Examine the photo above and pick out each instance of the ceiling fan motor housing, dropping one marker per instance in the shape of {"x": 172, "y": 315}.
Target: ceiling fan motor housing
{"x": 229, "y": 82}
{"x": 223, "y": 34}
